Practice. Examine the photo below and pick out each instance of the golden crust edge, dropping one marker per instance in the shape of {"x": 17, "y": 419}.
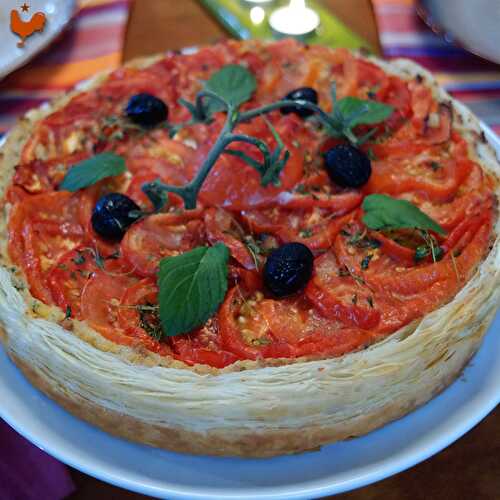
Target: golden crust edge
{"x": 240, "y": 442}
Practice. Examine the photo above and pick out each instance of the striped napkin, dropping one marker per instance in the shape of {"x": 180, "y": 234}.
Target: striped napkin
{"x": 93, "y": 43}
{"x": 468, "y": 78}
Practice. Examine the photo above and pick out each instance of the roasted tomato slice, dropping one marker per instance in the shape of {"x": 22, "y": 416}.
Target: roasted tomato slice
{"x": 138, "y": 316}
{"x": 39, "y": 176}
{"x": 69, "y": 276}
{"x": 42, "y": 228}
{"x": 222, "y": 227}
{"x": 431, "y": 172}
{"x": 254, "y": 327}
{"x": 234, "y": 184}
{"x": 340, "y": 293}
{"x": 158, "y": 236}
{"x": 317, "y": 228}
{"x": 101, "y": 298}
{"x": 203, "y": 346}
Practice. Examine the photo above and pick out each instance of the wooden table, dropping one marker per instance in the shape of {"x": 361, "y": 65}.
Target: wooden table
{"x": 467, "y": 470}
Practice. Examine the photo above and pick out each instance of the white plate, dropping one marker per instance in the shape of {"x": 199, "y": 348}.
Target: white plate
{"x": 57, "y": 12}
{"x": 336, "y": 468}
{"x": 472, "y": 25}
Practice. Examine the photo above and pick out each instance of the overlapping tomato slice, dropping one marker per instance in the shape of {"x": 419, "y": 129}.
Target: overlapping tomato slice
{"x": 159, "y": 236}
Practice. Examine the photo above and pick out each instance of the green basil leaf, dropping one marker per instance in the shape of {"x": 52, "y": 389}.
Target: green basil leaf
{"x": 385, "y": 212}
{"x": 362, "y": 111}
{"x": 90, "y": 171}
{"x": 191, "y": 286}
{"x": 233, "y": 83}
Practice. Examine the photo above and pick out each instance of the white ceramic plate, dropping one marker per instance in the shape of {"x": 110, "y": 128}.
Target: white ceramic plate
{"x": 336, "y": 468}
{"x": 472, "y": 25}
{"x": 58, "y": 13}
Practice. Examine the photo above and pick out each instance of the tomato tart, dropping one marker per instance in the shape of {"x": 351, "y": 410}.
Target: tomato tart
{"x": 252, "y": 249}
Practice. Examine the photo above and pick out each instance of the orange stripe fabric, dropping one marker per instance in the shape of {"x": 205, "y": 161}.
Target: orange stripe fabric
{"x": 93, "y": 43}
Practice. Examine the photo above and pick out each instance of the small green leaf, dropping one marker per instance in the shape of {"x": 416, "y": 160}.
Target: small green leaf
{"x": 89, "y": 172}
{"x": 233, "y": 83}
{"x": 385, "y": 212}
{"x": 191, "y": 285}
{"x": 362, "y": 111}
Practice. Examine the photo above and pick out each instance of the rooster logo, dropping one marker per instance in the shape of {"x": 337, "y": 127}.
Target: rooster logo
{"x": 24, "y": 29}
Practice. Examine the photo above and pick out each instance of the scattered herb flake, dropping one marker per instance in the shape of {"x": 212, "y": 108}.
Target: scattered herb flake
{"x": 306, "y": 233}
{"x": 366, "y": 261}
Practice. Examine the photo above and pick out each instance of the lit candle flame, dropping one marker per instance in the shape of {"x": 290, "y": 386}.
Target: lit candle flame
{"x": 296, "y": 19}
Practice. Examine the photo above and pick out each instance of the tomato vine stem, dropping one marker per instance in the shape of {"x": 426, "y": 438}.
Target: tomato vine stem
{"x": 189, "y": 192}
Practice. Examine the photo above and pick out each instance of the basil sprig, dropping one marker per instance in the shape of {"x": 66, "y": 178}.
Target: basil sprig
{"x": 234, "y": 84}
{"x": 383, "y": 212}
{"x": 350, "y": 112}
{"x": 191, "y": 286}
{"x": 90, "y": 171}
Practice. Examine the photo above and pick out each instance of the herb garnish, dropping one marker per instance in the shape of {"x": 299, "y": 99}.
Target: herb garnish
{"x": 88, "y": 172}
{"x": 191, "y": 286}
{"x": 366, "y": 261}
{"x": 383, "y": 212}
{"x": 350, "y": 112}
{"x": 430, "y": 247}
{"x": 149, "y": 320}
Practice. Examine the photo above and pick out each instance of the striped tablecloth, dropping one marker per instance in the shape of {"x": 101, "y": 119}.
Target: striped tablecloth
{"x": 93, "y": 43}
{"x": 470, "y": 79}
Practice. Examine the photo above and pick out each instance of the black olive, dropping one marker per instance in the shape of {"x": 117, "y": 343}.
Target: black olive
{"x": 302, "y": 94}
{"x": 348, "y": 166}
{"x": 288, "y": 269}
{"x": 113, "y": 214}
{"x": 146, "y": 110}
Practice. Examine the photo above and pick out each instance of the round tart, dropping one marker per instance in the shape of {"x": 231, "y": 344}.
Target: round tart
{"x": 184, "y": 271}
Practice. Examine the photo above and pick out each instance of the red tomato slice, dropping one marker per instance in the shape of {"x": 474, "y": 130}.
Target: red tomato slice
{"x": 341, "y": 294}
{"x": 39, "y": 176}
{"x": 159, "y": 236}
{"x": 100, "y": 300}
{"x": 69, "y": 275}
{"x": 249, "y": 340}
{"x": 42, "y": 228}
{"x": 316, "y": 228}
{"x": 256, "y": 328}
{"x": 234, "y": 184}
{"x": 436, "y": 180}
{"x": 138, "y": 317}
{"x": 222, "y": 227}
{"x": 204, "y": 347}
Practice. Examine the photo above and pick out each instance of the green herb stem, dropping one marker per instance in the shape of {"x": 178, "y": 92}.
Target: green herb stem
{"x": 189, "y": 192}
{"x": 322, "y": 115}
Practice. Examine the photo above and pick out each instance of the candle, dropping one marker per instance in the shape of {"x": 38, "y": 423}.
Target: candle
{"x": 257, "y": 15}
{"x": 294, "y": 20}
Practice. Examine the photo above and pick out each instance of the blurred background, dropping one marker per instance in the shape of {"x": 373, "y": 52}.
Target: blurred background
{"x": 459, "y": 41}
